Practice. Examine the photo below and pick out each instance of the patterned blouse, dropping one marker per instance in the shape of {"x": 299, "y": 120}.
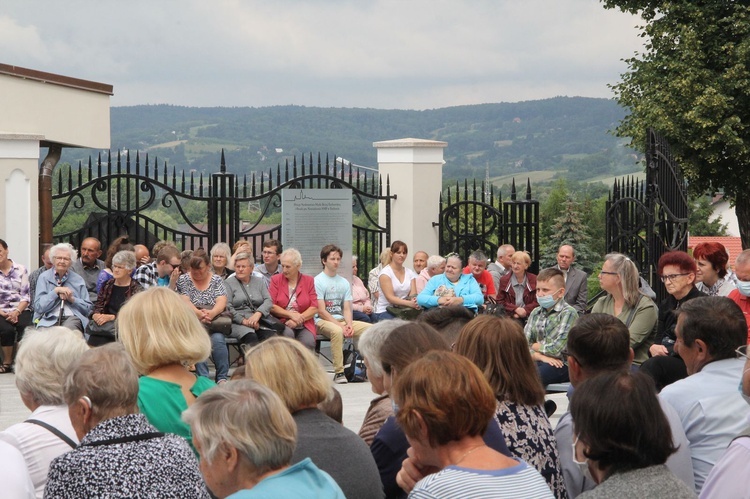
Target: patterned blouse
{"x": 205, "y": 298}
{"x": 529, "y": 436}
{"x": 126, "y": 457}
{"x": 14, "y": 287}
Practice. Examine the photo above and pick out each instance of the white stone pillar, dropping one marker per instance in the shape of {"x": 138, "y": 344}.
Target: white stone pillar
{"x": 415, "y": 170}
{"x": 19, "y": 208}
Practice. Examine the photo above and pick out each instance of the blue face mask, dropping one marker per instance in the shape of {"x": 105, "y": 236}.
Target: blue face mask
{"x": 743, "y": 287}
{"x": 547, "y": 301}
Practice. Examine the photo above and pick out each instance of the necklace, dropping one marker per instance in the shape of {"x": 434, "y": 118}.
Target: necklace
{"x": 466, "y": 454}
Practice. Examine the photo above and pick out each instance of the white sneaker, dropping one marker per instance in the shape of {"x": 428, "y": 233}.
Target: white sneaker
{"x": 340, "y": 379}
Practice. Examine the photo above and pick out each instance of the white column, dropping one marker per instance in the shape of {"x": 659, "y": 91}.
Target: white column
{"x": 415, "y": 170}
{"x": 19, "y": 208}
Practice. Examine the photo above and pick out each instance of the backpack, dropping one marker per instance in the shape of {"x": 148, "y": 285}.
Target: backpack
{"x": 354, "y": 365}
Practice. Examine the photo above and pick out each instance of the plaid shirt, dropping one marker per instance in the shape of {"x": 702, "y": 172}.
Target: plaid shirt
{"x": 146, "y": 275}
{"x": 550, "y": 328}
{"x": 14, "y": 287}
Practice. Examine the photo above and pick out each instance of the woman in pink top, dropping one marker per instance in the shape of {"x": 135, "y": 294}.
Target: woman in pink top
{"x": 361, "y": 304}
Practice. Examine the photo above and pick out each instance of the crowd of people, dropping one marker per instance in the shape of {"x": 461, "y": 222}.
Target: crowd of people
{"x": 111, "y": 358}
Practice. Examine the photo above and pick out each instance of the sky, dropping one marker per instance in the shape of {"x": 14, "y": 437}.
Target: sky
{"x": 384, "y": 54}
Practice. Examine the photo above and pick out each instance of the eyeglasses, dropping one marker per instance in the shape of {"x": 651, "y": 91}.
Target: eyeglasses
{"x": 602, "y": 272}
{"x": 742, "y": 351}
{"x": 671, "y": 277}
{"x": 118, "y": 267}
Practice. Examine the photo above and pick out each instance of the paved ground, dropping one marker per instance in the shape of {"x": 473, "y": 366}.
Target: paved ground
{"x": 356, "y": 398}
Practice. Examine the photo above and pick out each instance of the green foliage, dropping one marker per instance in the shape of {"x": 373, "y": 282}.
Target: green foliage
{"x": 699, "y": 223}
{"x": 692, "y": 84}
{"x": 569, "y": 229}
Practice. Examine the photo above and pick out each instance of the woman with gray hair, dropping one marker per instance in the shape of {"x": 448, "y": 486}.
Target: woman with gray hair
{"x": 250, "y": 304}
{"x": 220, "y": 254}
{"x": 295, "y": 301}
{"x": 380, "y": 407}
{"x": 61, "y": 296}
{"x": 246, "y": 438}
{"x": 113, "y": 295}
{"x": 121, "y": 454}
{"x": 43, "y": 358}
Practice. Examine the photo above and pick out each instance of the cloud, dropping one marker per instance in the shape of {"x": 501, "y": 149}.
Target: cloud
{"x": 381, "y": 53}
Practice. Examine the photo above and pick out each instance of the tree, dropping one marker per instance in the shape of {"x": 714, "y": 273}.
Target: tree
{"x": 698, "y": 221}
{"x": 692, "y": 84}
{"x": 568, "y": 229}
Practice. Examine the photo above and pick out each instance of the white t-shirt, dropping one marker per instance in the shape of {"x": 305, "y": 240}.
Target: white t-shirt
{"x": 13, "y": 473}
{"x": 400, "y": 289}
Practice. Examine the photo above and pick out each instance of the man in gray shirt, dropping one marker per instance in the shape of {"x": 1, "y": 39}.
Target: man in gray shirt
{"x": 270, "y": 266}
{"x": 88, "y": 265}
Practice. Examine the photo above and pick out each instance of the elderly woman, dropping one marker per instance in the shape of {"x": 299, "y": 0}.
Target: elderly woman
{"x": 677, "y": 271}
{"x": 246, "y": 438}
{"x": 380, "y": 408}
{"x": 207, "y": 296}
{"x": 61, "y": 294}
{"x": 249, "y": 303}
{"x": 42, "y": 361}
{"x": 294, "y": 374}
{"x": 435, "y": 266}
{"x": 498, "y": 347}
{"x": 14, "y": 304}
{"x": 161, "y": 335}
{"x": 517, "y": 291}
{"x": 295, "y": 301}
{"x": 120, "y": 454}
{"x": 372, "y": 277}
{"x": 240, "y": 246}
{"x": 433, "y": 395}
{"x": 711, "y": 259}
{"x": 390, "y": 446}
{"x": 112, "y": 297}
{"x": 220, "y": 254}
{"x": 122, "y": 243}
{"x": 361, "y": 304}
{"x": 622, "y": 454}
{"x": 397, "y": 284}
{"x": 452, "y": 288}
{"x": 624, "y": 300}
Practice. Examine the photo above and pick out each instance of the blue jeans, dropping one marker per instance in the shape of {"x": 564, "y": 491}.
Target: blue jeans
{"x": 220, "y": 356}
{"x": 383, "y": 316}
{"x": 551, "y": 374}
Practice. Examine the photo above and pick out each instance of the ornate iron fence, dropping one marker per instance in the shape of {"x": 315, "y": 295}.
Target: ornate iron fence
{"x": 150, "y": 203}
{"x": 473, "y": 218}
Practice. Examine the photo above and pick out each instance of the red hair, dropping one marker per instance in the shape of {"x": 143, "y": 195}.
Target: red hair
{"x": 714, "y": 253}
{"x": 680, "y": 259}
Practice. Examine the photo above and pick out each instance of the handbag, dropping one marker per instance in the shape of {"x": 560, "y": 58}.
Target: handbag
{"x": 106, "y": 330}
{"x": 222, "y": 323}
{"x": 269, "y": 322}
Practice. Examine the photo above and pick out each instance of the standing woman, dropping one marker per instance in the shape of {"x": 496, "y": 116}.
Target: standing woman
{"x": 14, "y": 304}
{"x": 624, "y": 300}
{"x": 397, "y": 283}
{"x": 712, "y": 259}
{"x": 206, "y": 295}
{"x": 115, "y": 292}
{"x": 295, "y": 302}
{"x": 517, "y": 291}
{"x": 220, "y": 254}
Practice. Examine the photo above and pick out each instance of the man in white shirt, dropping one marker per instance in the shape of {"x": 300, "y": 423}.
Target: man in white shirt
{"x": 501, "y": 266}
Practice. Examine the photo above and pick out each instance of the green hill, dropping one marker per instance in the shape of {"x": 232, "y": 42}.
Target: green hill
{"x": 568, "y": 135}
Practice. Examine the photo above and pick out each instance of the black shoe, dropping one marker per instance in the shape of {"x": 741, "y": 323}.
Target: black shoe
{"x": 550, "y": 407}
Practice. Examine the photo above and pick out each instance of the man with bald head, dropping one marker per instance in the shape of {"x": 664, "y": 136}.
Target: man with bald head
{"x": 576, "y": 281}
{"x": 420, "y": 261}
{"x": 88, "y": 265}
{"x": 142, "y": 256}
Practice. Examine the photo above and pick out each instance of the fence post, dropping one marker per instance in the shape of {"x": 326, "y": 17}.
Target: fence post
{"x": 221, "y": 218}
{"x": 414, "y": 170}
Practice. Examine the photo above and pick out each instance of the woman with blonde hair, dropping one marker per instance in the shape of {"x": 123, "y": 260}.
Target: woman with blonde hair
{"x": 294, "y": 374}
{"x": 624, "y": 300}
{"x": 517, "y": 289}
{"x": 498, "y": 347}
{"x": 162, "y": 334}
{"x": 220, "y": 254}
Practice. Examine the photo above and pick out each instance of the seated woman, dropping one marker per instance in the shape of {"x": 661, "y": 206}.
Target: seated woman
{"x": 380, "y": 408}
{"x": 361, "y": 304}
{"x": 622, "y": 454}
{"x": 624, "y": 300}
{"x": 294, "y": 374}
{"x": 42, "y": 361}
{"x": 433, "y": 394}
{"x": 61, "y": 294}
{"x": 712, "y": 259}
{"x": 207, "y": 296}
{"x": 15, "y": 315}
{"x": 132, "y": 458}
{"x": 499, "y": 349}
{"x": 115, "y": 292}
{"x": 390, "y": 446}
{"x": 517, "y": 291}
{"x": 677, "y": 271}
{"x": 295, "y": 302}
{"x": 397, "y": 284}
{"x": 451, "y": 288}
{"x": 373, "y": 285}
{"x": 240, "y": 246}
{"x": 220, "y": 254}
{"x": 122, "y": 243}
{"x": 161, "y": 334}
{"x": 246, "y": 438}
{"x": 250, "y": 304}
